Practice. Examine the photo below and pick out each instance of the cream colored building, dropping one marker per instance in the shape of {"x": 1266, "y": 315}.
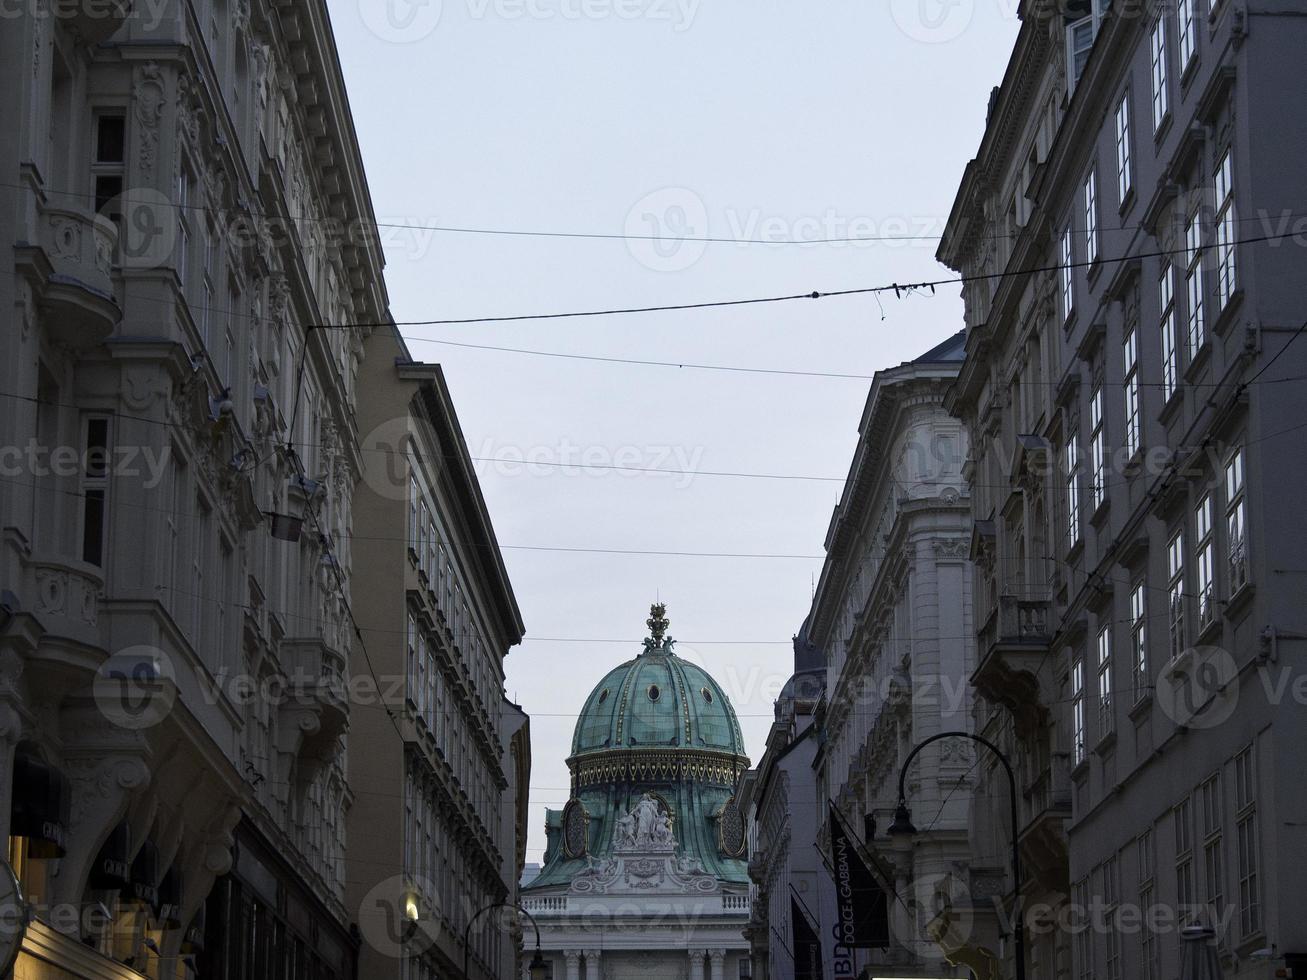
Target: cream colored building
{"x": 439, "y": 761}
{"x": 179, "y": 455}
{"x": 891, "y": 616}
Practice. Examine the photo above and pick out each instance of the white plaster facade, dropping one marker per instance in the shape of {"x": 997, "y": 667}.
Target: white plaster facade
{"x": 891, "y": 617}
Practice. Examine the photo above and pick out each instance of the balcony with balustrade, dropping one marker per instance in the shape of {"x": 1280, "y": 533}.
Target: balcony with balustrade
{"x": 70, "y": 264}
{"x": 1012, "y": 646}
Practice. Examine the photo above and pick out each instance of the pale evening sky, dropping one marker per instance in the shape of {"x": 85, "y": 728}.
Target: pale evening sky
{"x": 704, "y": 118}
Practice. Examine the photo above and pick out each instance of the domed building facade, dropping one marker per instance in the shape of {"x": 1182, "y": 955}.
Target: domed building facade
{"x": 644, "y": 874}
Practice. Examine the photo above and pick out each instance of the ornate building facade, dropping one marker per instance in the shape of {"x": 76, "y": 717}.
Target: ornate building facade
{"x": 180, "y": 448}
{"x": 644, "y": 872}
{"x": 1131, "y": 317}
{"x": 782, "y": 811}
{"x": 439, "y": 763}
{"x": 890, "y": 618}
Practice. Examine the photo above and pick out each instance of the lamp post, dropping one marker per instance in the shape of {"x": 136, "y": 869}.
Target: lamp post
{"x": 538, "y": 968}
{"x": 902, "y": 826}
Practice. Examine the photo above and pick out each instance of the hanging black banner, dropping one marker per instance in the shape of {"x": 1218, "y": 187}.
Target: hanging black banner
{"x": 861, "y": 905}
{"x": 807, "y": 945}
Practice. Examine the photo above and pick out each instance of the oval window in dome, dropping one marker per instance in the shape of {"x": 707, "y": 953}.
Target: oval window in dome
{"x": 603, "y": 696}
{"x": 654, "y": 693}
{"x": 707, "y": 694}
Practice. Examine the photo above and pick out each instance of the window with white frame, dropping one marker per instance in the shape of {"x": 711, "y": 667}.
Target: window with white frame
{"x": 1158, "y": 55}
{"x": 1213, "y": 865}
{"x": 1193, "y": 279}
{"x": 1091, "y": 216}
{"x": 109, "y": 163}
{"x": 1111, "y": 895}
{"x": 420, "y": 692}
{"x": 1182, "y": 818}
{"x": 1084, "y": 948}
{"x": 1205, "y": 560}
{"x": 1170, "y": 350}
{"x": 1148, "y": 946}
{"x": 1139, "y": 640}
{"x": 1078, "y": 711}
{"x": 1068, "y": 293}
{"x": 1097, "y": 449}
{"x": 95, "y": 475}
{"x": 429, "y": 560}
{"x": 1072, "y": 491}
{"x": 1175, "y": 592}
{"x": 1226, "y": 280}
{"x": 1106, "y": 719}
{"x": 1236, "y": 521}
{"x": 181, "y": 250}
{"x": 1245, "y": 798}
{"x": 1124, "y": 162}
{"x": 1080, "y": 35}
{"x": 1130, "y": 351}
{"x": 1187, "y": 31}
{"x": 414, "y": 495}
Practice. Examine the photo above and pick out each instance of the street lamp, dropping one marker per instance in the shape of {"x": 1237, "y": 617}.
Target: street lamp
{"x": 902, "y": 827}
{"x": 537, "y": 968}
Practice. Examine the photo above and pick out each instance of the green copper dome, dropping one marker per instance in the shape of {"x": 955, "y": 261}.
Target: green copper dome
{"x": 657, "y": 726}
{"x": 660, "y": 701}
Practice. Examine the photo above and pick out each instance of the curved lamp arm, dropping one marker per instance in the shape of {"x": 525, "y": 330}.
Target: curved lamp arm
{"x": 467, "y": 929}
{"x": 1020, "y": 929}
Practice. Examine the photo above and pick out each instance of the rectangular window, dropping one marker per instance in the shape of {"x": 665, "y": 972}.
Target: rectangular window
{"x": 1097, "y": 449}
{"x": 1187, "y": 16}
{"x": 107, "y": 167}
{"x": 95, "y": 486}
{"x": 1213, "y": 865}
{"x": 1225, "y": 234}
{"x": 424, "y": 522}
{"x": 411, "y": 688}
{"x": 1072, "y": 492}
{"x": 1130, "y": 351}
{"x": 1106, "y": 720}
{"x": 1175, "y": 592}
{"x": 1161, "y": 97}
{"x": 414, "y": 497}
{"x": 1111, "y": 897}
{"x": 1078, "y": 712}
{"x": 1091, "y": 217}
{"x": 1250, "y": 901}
{"x": 183, "y": 249}
{"x": 431, "y": 558}
{"x": 1170, "y": 352}
{"x": 1236, "y": 521}
{"x": 1124, "y": 163}
{"x": 1184, "y": 867}
{"x": 1084, "y": 949}
{"x": 1205, "y": 560}
{"x": 1193, "y": 279}
{"x": 1068, "y": 295}
{"x": 1139, "y": 640}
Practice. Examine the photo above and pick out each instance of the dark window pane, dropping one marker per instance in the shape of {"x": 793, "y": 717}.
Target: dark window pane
{"x": 93, "y": 527}
{"x": 97, "y": 448}
{"x": 110, "y": 139}
{"x": 107, "y": 188}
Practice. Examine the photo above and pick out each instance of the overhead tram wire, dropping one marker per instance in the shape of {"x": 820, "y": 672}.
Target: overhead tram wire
{"x": 372, "y": 223}
{"x": 899, "y": 289}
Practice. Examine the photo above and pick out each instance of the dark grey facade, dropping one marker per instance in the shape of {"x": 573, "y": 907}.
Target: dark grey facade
{"x": 1137, "y": 446}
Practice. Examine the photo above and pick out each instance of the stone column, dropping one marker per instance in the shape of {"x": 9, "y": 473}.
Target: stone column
{"x": 696, "y": 964}
{"x": 573, "y": 957}
{"x": 716, "y": 959}
{"x": 592, "y": 968}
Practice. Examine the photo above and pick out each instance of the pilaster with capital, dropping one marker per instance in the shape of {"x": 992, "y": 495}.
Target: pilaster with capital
{"x": 696, "y": 964}
{"x": 716, "y": 963}
{"x": 593, "y": 969}
{"x": 573, "y": 958}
